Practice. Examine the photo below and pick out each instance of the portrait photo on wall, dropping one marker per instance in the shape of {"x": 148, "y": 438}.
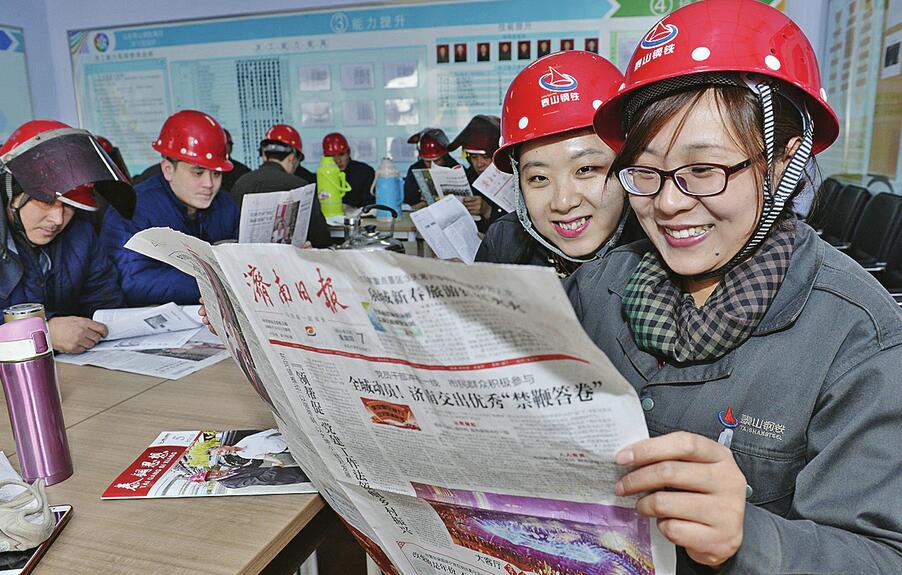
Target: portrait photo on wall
{"x": 544, "y": 48}
{"x": 441, "y": 54}
{"x": 592, "y": 45}
{"x": 524, "y": 50}
{"x": 504, "y": 51}
{"x": 566, "y": 44}
{"x": 483, "y": 52}
{"x": 460, "y": 52}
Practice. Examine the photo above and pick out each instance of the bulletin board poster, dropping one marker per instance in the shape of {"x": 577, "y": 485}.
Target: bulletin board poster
{"x": 377, "y": 74}
{"x": 850, "y": 72}
{"x": 15, "y": 97}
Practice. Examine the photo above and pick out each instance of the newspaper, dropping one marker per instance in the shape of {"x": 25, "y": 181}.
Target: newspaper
{"x": 499, "y": 187}
{"x": 276, "y": 217}
{"x": 202, "y": 350}
{"x": 438, "y": 181}
{"x": 449, "y": 229}
{"x": 211, "y": 463}
{"x": 145, "y": 321}
{"x": 457, "y": 417}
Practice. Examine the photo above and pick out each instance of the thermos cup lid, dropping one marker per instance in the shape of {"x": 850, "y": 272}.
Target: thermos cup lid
{"x": 23, "y": 339}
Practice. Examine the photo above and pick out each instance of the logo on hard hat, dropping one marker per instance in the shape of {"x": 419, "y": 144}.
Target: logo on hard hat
{"x": 555, "y": 81}
{"x": 659, "y": 35}
{"x": 101, "y": 42}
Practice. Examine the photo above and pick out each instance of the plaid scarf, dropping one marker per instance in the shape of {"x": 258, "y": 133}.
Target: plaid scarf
{"x": 666, "y": 322}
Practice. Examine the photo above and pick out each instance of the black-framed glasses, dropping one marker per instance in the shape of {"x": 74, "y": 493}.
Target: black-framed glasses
{"x": 692, "y": 179}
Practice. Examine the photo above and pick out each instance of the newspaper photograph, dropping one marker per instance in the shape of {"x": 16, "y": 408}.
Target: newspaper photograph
{"x": 498, "y": 187}
{"x": 449, "y": 229}
{"x": 456, "y": 421}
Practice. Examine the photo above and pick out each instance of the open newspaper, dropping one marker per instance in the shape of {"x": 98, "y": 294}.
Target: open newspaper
{"x": 276, "y": 217}
{"x": 457, "y": 417}
{"x": 438, "y": 181}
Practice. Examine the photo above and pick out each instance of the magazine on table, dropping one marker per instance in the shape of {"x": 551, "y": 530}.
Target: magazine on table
{"x": 456, "y": 421}
{"x": 212, "y": 463}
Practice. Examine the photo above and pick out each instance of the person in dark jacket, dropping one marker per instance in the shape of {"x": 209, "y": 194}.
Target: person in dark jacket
{"x": 49, "y": 253}
{"x": 479, "y": 141}
{"x": 568, "y": 212}
{"x": 238, "y": 169}
{"x": 281, "y": 151}
{"x": 185, "y": 197}
{"x": 432, "y": 146}
{"x": 767, "y": 363}
{"x": 359, "y": 176}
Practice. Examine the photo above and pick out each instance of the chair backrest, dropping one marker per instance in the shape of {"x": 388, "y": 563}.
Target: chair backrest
{"x": 892, "y": 276}
{"x": 847, "y": 207}
{"x": 877, "y": 229}
{"x": 823, "y": 201}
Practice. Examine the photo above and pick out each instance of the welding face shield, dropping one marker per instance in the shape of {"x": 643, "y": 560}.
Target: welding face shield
{"x": 52, "y": 164}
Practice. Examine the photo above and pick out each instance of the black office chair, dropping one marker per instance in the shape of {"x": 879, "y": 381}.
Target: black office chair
{"x": 823, "y": 201}
{"x": 876, "y": 231}
{"x": 891, "y": 277}
{"x": 847, "y": 207}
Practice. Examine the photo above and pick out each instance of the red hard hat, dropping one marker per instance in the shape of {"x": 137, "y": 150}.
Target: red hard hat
{"x": 335, "y": 144}
{"x": 723, "y": 36}
{"x": 107, "y": 145}
{"x": 29, "y": 130}
{"x": 81, "y": 197}
{"x": 432, "y": 143}
{"x": 285, "y": 134}
{"x": 195, "y": 138}
{"x": 555, "y": 94}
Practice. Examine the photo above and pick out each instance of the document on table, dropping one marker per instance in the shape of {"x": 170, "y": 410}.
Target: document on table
{"x": 144, "y": 321}
{"x": 499, "y": 187}
{"x": 276, "y": 217}
{"x": 449, "y": 229}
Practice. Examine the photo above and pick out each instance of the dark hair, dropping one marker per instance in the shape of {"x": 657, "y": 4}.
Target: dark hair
{"x": 273, "y": 155}
{"x": 741, "y": 114}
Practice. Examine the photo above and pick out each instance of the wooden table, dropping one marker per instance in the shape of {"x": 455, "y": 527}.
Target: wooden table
{"x": 111, "y": 417}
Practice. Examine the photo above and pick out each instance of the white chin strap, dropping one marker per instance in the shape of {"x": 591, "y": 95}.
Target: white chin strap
{"x": 526, "y": 222}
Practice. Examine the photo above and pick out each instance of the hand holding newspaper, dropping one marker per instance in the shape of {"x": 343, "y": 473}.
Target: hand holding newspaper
{"x": 499, "y": 187}
{"x": 449, "y": 229}
{"x": 457, "y": 417}
{"x": 276, "y": 217}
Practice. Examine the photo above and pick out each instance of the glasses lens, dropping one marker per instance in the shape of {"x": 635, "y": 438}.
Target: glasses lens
{"x": 640, "y": 181}
{"x": 701, "y": 179}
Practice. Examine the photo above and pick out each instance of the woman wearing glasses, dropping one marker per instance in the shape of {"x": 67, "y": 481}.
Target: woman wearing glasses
{"x": 766, "y": 362}
{"x": 567, "y": 213}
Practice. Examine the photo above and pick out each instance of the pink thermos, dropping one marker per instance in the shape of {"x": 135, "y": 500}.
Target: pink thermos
{"x": 28, "y": 375}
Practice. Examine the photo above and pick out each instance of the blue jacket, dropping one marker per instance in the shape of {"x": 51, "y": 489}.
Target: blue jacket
{"x": 80, "y": 281}
{"x": 149, "y": 282}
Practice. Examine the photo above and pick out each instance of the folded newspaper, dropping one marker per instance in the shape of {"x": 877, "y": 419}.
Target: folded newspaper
{"x": 211, "y": 463}
{"x": 457, "y": 417}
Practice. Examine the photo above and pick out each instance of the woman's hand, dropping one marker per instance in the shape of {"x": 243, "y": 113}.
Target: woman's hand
{"x": 694, "y": 489}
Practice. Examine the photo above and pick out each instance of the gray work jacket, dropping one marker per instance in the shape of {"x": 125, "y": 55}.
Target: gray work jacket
{"x": 817, "y": 395}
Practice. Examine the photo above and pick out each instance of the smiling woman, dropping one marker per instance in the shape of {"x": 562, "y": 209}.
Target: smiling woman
{"x": 733, "y": 307}
{"x": 568, "y": 212}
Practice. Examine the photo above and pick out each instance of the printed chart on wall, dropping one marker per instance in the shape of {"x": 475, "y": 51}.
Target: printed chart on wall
{"x": 376, "y": 74}
{"x": 15, "y": 98}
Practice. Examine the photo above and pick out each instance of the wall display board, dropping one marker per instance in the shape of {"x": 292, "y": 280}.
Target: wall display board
{"x": 15, "y": 98}
{"x": 850, "y": 72}
{"x": 377, "y": 74}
